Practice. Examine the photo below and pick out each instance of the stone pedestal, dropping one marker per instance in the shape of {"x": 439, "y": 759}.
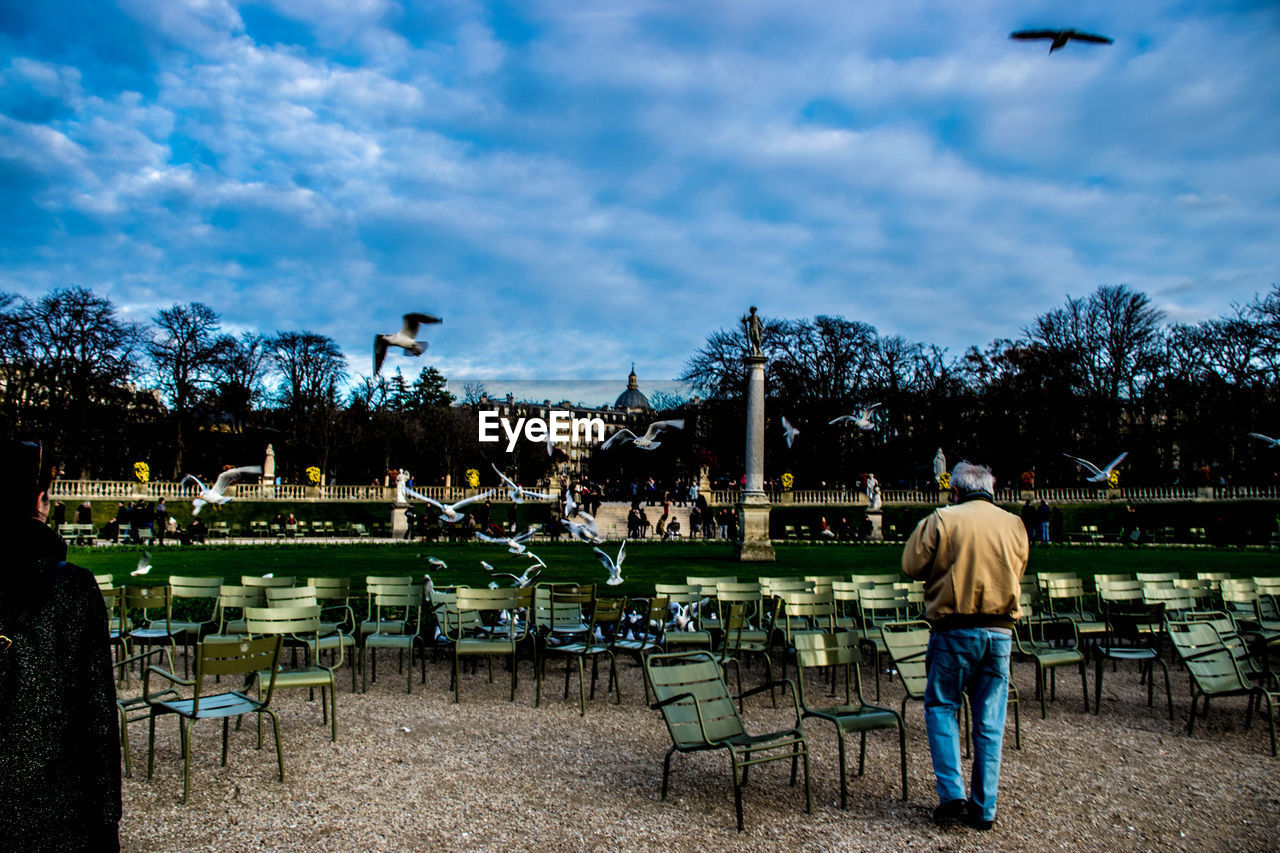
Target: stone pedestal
{"x": 1204, "y": 493}
{"x": 753, "y": 529}
{"x": 876, "y": 517}
{"x": 753, "y": 545}
{"x": 399, "y": 524}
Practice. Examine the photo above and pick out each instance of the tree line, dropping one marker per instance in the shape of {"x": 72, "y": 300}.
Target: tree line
{"x": 1092, "y": 377}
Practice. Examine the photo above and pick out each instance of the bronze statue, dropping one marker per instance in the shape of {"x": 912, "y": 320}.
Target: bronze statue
{"x": 755, "y": 334}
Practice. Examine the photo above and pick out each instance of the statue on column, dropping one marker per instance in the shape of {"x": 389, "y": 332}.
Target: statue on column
{"x": 402, "y": 480}
{"x": 755, "y": 334}
{"x": 873, "y": 491}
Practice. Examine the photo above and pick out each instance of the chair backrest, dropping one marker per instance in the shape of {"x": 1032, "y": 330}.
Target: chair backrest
{"x": 1063, "y": 594}
{"x": 284, "y": 619}
{"x": 699, "y": 710}
{"x": 236, "y": 657}
{"x": 1207, "y": 658}
{"x": 679, "y": 593}
{"x": 777, "y": 586}
{"x": 746, "y": 594}
{"x": 148, "y": 599}
{"x": 105, "y": 581}
{"x": 812, "y": 611}
{"x": 1132, "y": 623}
{"x": 475, "y": 607}
{"x": 821, "y": 582}
{"x": 709, "y": 583}
{"x": 879, "y": 579}
{"x": 291, "y": 596}
{"x": 1100, "y": 579}
{"x": 914, "y": 592}
{"x": 907, "y": 643}
{"x": 1156, "y": 577}
{"x": 880, "y": 604}
{"x": 331, "y": 589}
{"x": 259, "y": 581}
{"x": 827, "y": 649}
{"x": 397, "y": 604}
{"x": 113, "y": 598}
{"x": 1124, "y": 589}
{"x": 571, "y": 608}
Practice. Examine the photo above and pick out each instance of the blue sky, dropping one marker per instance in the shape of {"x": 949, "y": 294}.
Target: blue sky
{"x": 577, "y": 186}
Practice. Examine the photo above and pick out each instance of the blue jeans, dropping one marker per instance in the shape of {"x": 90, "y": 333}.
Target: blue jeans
{"x": 973, "y": 661}
{"x": 1044, "y": 531}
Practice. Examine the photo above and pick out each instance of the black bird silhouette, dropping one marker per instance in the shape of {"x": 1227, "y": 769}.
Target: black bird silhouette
{"x": 1059, "y": 37}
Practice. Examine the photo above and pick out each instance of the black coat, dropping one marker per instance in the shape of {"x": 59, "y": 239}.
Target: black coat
{"x": 60, "y": 764}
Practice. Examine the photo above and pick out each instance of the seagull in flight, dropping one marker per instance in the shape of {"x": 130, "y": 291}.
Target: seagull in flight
{"x": 789, "y": 431}
{"x": 613, "y": 565}
{"x": 144, "y": 564}
{"x": 585, "y": 530}
{"x": 1273, "y": 442}
{"x": 1059, "y": 38}
{"x": 436, "y": 562}
{"x": 450, "y": 514}
{"x": 406, "y": 338}
{"x": 646, "y": 441}
{"x": 515, "y": 544}
{"x": 530, "y": 575}
{"x": 861, "y": 421}
{"x": 1098, "y": 475}
{"x": 215, "y": 495}
{"x": 519, "y": 493}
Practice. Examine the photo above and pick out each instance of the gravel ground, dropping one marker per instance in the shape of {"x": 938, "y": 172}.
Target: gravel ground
{"x": 415, "y": 772}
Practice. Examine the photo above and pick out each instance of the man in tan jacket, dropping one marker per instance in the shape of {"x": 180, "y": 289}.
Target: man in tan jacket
{"x": 971, "y": 556}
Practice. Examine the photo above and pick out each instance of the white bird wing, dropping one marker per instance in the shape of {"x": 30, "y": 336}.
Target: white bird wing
{"x": 144, "y": 564}
{"x": 605, "y": 559}
{"x": 413, "y": 321}
{"x": 618, "y": 437}
{"x": 1094, "y": 469}
{"x": 483, "y": 538}
{"x": 841, "y": 418}
{"x": 657, "y": 427}
{"x": 411, "y": 493}
{"x": 226, "y": 478}
{"x": 379, "y": 352}
{"x": 504, "y": 478}
{"x": 648, "y": 444}
{"x": 790, "y": 431}
{"x": 524, "y": 537}
{"x": 193, "y": 478}
{"x": 487, "y": 567}
{"x": 472, "y": 498}
{"x": 589, "y": 522}
{"x": 1114, "y": 462}
{"x": 197, "y": 504}
{"x": 436, "y": 561}
{"x": 1268, "y": 439}
{"x": 622, "y": 554}
{"x": 535, "y": 557}
{"x": 541, "y": 496}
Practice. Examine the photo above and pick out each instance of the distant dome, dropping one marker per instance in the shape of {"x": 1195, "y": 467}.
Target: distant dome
{"x": 632, "y": 398}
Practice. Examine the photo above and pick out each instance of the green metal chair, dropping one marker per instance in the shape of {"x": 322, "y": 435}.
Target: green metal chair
{"x": 232, "y": 601}
{"x": 687, "y": 596}
{"x": 147, "y": 602}
{"x": 700, "y": 715}
{"x": 494, "y": 627}
{"x": 841, "y": 649}
{"x": 302, "y": 623}
{"x": 1050, "y": 642}
{"x": 202, "y": 595}
{"x": 1132, "y": 634}
{"x": 244, "y": 657}
{"x": 1215, "y": 673}
{"x": 400, "y": 608}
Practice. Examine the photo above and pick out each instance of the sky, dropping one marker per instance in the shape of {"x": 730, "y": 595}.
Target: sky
{"x": 575, "y": 187}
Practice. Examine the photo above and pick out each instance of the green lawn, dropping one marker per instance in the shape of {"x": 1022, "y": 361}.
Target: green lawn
{"x": 646, "y": 563}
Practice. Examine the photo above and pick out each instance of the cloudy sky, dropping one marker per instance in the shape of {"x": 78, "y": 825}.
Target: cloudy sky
{"x": 578, "y": 185}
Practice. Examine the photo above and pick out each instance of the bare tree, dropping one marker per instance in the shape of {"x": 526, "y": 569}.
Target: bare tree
{"x": 185, "y": 352}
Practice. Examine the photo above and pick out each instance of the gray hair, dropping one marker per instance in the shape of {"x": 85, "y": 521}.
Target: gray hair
{"x": 967, "y": 477}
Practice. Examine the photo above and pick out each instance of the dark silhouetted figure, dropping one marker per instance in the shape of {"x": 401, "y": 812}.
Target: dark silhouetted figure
{"x": 1059, "y": 38}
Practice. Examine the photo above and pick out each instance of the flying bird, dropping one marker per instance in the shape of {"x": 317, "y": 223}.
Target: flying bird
{"x": 861, "y": 421}
{"x": 1273, "y": 442}
{"x": 144, "y": 564}
{"x": 1098, "y": 475}
{"x": 537, "y": 561}
{"x": 450, "y": 514}
{"x": 406, "y": 338}
{"x": 613, "y": 565}
{"x": 515, "y": 544}
{"x": 789, "y": 431}
{"x": 436, "y": 562}
{"x": 1059, "y": 38}
{"x": 215, "y": 495}
{"x": 646, "y": 441}
{"x": 530, "y": 575}
{"x": 585, "y": 529}
{"x": 517, "y": 492}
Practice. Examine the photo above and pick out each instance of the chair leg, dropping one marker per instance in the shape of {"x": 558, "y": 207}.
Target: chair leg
{"x": 666, "y": 772}
{"x": 275, "y": 725}
{"x": 184, "y": 737}
{"x": 1084, "y": 683}
{"x": 1097, "y": 684}
{"x": 902, "y": 747}
{"x": 844, "y": 782}
{"x": 151, "y": 744}
{"x": 737, "y": 789}
{"x": 124, "y": 744}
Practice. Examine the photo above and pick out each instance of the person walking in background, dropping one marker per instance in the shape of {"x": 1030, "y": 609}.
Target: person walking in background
{"x": 1044, "y": 514}
{"x": 161, "y": 521}
{"x": 971, "y": 557}
{"x": 60, "y": 768}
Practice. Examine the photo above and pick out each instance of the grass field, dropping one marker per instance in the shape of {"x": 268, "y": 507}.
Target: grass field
{"x": 646, "y": 562}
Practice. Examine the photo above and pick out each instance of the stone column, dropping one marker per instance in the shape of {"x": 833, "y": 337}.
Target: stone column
{"x": 753, "y": 545}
